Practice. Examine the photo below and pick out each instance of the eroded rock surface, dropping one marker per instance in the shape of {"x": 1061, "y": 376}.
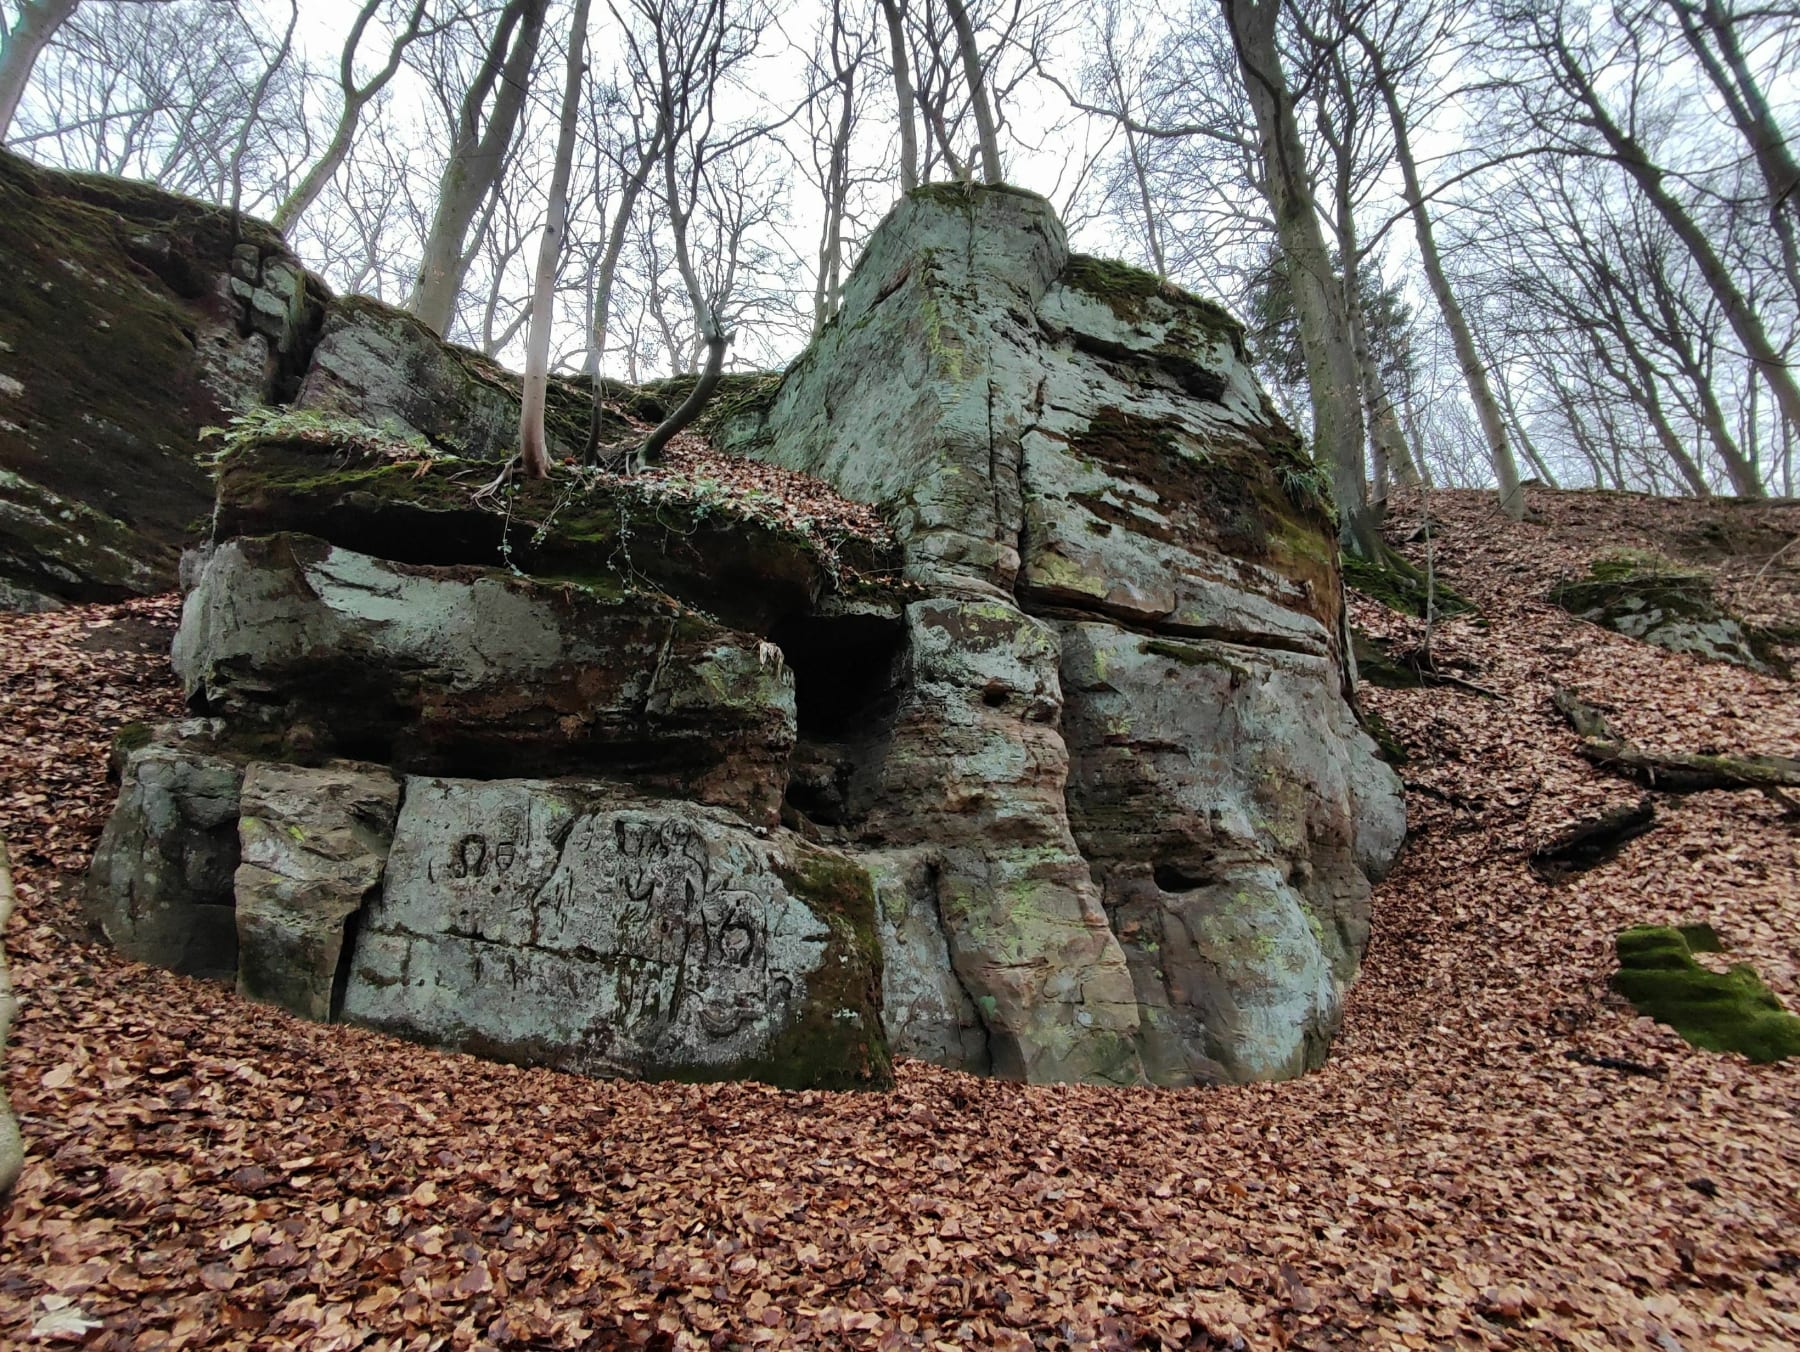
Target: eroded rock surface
{"x": 576, "y": 925}
{"x": 477, "y": 670}
{"x": 1080, "y": 798}
{"x": 312, "y": 845}
{"x": 1655, "y": 600}
{"x": 1135, "y": 820}
{"x": 160, "y": 887}
{"x": 129, "y": 319}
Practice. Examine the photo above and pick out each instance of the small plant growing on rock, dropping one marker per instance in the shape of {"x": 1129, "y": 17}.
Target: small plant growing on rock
{"x": 388, "y": 440}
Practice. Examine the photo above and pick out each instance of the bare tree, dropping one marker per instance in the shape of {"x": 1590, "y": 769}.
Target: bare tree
{"x": 1325, "y": 338}
{"x": 356, "y": 97}
{"x": 986, "y": 131}
{"x": 532, "y": 453}
{"x": 1571, "y": 57}
{"x": 686, "y": 52}
{"x": 196, "y": 96}
{"x": 833, "y": 115}
{"x": 629, "y": 145}
{"x": 477, "y": 154}
{"x": 904, "y": 102}
{"x": 1714, "y": 34}
{"x": 1386, "y": 75}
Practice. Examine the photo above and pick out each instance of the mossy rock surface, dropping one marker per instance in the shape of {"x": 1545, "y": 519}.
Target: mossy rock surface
{"x": 119, "y": 340}
{"x": 1404, "y": 591}
{"x": 1648, "y": 597}
{"x": 1731, "y": 1011}
{"x": 1129, "y": 291}
{"x": 697, "y": 544}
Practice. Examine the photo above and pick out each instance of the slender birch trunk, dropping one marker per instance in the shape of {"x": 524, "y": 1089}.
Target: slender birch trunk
{"x": 534, "y": 456}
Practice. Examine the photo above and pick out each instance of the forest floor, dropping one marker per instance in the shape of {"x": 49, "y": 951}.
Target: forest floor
{"x": 1498, "y": 1153}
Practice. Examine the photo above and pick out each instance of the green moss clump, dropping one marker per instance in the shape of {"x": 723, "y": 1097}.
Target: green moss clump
{"x": 837, "y": 1042}
{"x": 1126, "y": 290}
{"x": 1401, "y": 591}
{"x": 1730, "y": 1011}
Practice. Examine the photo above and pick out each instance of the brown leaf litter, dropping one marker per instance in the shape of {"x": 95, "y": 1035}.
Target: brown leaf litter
{"x": 1465, "y": 1172}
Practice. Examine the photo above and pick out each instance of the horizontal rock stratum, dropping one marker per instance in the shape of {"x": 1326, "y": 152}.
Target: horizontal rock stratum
{"x": 1060, "y": 782}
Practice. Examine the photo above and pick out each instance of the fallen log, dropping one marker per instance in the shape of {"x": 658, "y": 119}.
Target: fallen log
{"x": 1589, "y": 844}
{"x": 1673, "y": 771}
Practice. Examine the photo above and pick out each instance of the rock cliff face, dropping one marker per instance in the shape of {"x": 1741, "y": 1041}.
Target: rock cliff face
{"x": 1059, "y": 783}
{"x": 129, "y": 320}
{"x": 1122, "y": 815}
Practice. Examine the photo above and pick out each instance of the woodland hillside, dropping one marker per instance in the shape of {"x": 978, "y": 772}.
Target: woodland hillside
{"x": 1498, "y": 1153}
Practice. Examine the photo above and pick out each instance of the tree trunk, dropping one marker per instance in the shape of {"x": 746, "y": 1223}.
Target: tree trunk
{"x": 985, "y": 128}
{"x": 1745, "y": 322}
{"x": 476, "y": 159}
{"x": 20, "y": 47}
{"x": 307, "y": 191}
{"x": 1749, "y": 108}
{"x": 534, "y": 456}
{"x": 631, "y": 186}
{"x": 903, "y": 97}
{"x": 1325, "y": 340}
{"x": 1487, "y": 409}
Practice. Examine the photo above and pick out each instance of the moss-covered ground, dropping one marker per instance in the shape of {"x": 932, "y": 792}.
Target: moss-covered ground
{"x": 1730, "y": 1011}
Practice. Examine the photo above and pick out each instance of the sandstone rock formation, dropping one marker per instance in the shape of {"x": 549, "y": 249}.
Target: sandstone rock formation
{"x": 130, "y": 319}
{"x": 313, "y": 843}
{"x": 699, "y": 947}
{"x": 1064, "y": 785}
{"x": 1121, "y": 797}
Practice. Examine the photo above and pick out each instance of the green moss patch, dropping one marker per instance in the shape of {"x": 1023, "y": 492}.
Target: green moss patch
{"x": 1730, "y": 1011}
{"x": 104, "y": 285}
{"x": 1402, "y": 590}
{"x": 1130, "y": 292}
{"x": 838, "y": 1041}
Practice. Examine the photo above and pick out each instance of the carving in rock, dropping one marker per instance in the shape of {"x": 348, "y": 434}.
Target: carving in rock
{"x": 626, "y": 935}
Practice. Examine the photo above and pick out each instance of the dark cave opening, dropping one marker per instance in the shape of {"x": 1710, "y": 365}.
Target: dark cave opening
{"x": 846, "y": 678}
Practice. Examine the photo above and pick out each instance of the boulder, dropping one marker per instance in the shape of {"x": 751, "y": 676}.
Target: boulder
{"x": 1655, "y": 600}
{"x": 12, "y": 1145}
{"x": 477, "y": 670}
{"x": 129, "y": 319}
{"x": 974, "y": 770}
{"x": 1234, "y": 814}
{"x": 584, "y": 926}
{"x": 312, "y": 843}
{"x": 160, "y": 886}
{"x": 1136, "y": 819}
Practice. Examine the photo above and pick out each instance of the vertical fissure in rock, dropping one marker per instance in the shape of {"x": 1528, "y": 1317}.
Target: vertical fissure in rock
{"x": 934, "y": 872}
{"x": 340, "y": 981}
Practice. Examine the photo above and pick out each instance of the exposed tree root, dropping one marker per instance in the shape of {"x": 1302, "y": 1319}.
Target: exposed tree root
{"x": 1591, "y": 843}
{"x": 1674, "y": 771}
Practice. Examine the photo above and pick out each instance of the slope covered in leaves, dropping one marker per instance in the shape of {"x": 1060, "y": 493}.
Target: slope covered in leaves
{"x": 1498, "y": 1153}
